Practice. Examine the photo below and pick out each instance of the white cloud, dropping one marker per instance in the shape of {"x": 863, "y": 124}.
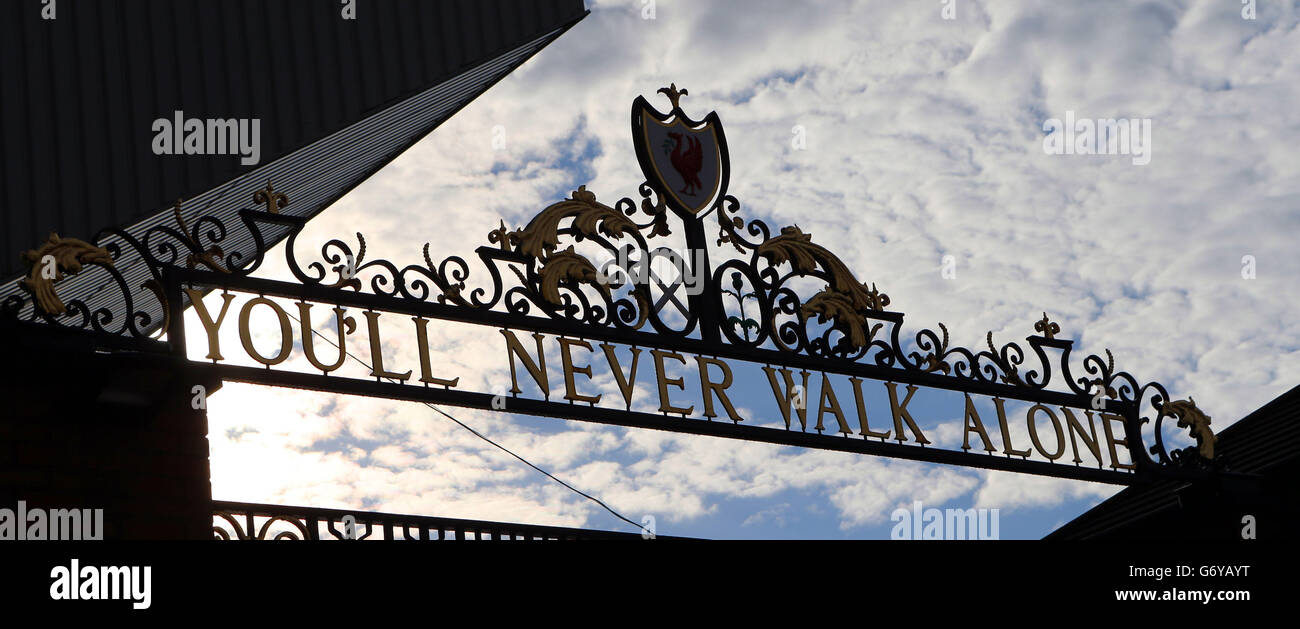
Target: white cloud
{"x": 924, "y": 140}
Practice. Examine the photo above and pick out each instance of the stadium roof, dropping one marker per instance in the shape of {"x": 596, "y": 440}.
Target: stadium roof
{"x": 337, "y": 99}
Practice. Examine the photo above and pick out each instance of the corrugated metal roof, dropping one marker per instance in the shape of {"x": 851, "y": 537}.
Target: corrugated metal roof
{"x": 1265, "y": 440}
{"x": 80, "y": 93}
{"x": 313, "y": 176}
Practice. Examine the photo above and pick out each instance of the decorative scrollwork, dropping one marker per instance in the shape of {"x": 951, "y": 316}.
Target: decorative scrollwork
{"x": 934, "y": 360}
{"x": 159, "y": 247}
{"x": 553, "y": 274}
{"x": 298, "y": 532}
{"x": 1198, "y": 425}
{"x": 219, "y": 529}
{"x": 590, "y": 218}
{"x": 210, "y": 257}
{"x": 68, "y": 256}
{"x": 845, "y": 301}
{"x": 566, "y": 266}
{"x": 1007, "y": 360}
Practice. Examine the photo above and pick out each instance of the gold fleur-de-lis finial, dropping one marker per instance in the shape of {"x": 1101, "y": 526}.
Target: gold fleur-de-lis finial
{"x": 500, "y": 236}
{"x": 673, "y": 93}
{"x": 273, "y": 200}
{"x": 1049, "y": 329}
{"x": 876, "y": 299}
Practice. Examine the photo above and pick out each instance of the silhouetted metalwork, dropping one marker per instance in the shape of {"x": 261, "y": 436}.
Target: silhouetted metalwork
{"x": 162, "y": 247}
{"x": 812, "y": 313}
{"x": 251, "y": 521}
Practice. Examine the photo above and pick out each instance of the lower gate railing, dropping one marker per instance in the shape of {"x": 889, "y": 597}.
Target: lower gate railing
{"x": 251, "y": 521}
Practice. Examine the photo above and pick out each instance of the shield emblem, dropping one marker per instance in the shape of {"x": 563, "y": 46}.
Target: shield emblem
{"x": 683, "y": 159}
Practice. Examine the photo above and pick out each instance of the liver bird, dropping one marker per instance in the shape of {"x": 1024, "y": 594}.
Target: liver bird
{"x": 687, "y": 163}
{"x": 1196, "y": 422}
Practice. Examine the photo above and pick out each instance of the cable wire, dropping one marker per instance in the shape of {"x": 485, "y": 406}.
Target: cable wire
{"x": 478, "y": 434}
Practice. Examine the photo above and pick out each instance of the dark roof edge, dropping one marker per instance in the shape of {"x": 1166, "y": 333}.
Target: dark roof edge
{"x": 403, "y": 148}
{"x": 1119, "y": 508}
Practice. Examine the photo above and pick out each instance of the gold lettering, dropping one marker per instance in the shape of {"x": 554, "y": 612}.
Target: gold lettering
{"x": 1033, "y": 432}
{"x": 664, "y": 405}
{"x": 973, "y": 424}
{"x": 201, "y": 309}
{"x": 308, "y": 343}
{"x": 709, "y": 388}
{"x": 1111, "y": 441}
{"x": 625, "y": 384}
{"x": 901, "y": 414}
{"x": 536, "y": 368}
{"x": 1073, "y": 426}
{"x": 377, "y": 349}
{"x": 426, "y": 369}
{"x": 828, "y": 395}
{"x": 246, "y": 337}
{"x": 566, "y": 360}
{"x": 862, "y": 412}
{"x": 1006, "y": 432}
{"x": 785, "y": 400}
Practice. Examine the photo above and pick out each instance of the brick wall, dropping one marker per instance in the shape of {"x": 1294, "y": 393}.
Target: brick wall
{"x": 112, "y": 431}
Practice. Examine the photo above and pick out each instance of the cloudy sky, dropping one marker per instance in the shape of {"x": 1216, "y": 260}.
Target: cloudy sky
{"x": 921, "y": 137}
